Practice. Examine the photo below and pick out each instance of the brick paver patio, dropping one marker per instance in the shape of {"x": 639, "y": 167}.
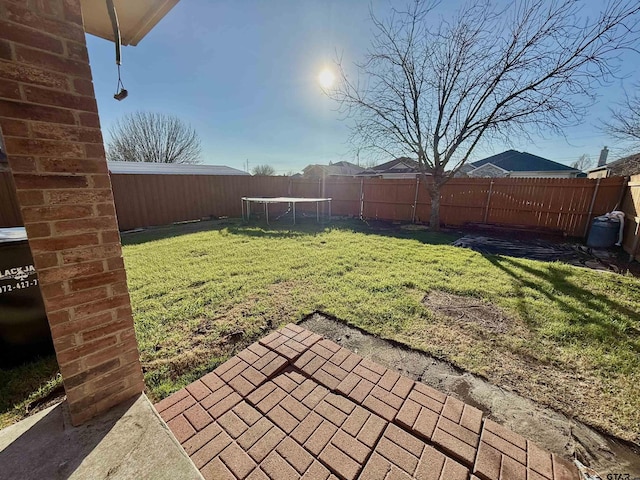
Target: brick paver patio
{"x": 295, "y": 405}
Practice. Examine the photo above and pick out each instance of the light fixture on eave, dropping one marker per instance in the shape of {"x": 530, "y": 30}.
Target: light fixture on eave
{"x": 121, "y": 92}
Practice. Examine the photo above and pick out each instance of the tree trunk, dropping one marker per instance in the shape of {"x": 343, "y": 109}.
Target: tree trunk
{"x": 434, "y": 220}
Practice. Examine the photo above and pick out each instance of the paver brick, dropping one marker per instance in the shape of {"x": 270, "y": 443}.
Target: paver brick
{"x": 404, "y": 439}
{"x": 453, "y": 409}
{"x": 356, "y": 421}
{"x": 338, "y": 461}
{"x": 455, "y": 447}
{"x": 254, "y": 433}
{"x": 241, "y": 385}
{"x": 261, "y": 392}
{"x": 371, "y": 431}
{"x": 211, "y": 449}
{"x": 171, "y": 400}
{"x": 285, "y": 383}
{"x": 198, "y": 390}
{"x": 539, "y": 460}
{"x": 331, "y": 413}
{"x": 351, "y": 446}
{"x": 305, "y": 428}
{"x": 201, "y": 438}
{"x": 367, "y": 374}
{"x": 471, "y": 419}
{"x": 509, "y": 435}
{"x": 232, "y": 424}
{"x": 375, "y": 405}
{"x": 295, "y": 407}
{"x": 316, "y": 471}
{"x": 277, "y": 467}
{"x": 257, "y": 474}
{"x": 512, "y": 470}
{"x": 397, "y": 455}
{"x": 254, "y": 376}
{"x": 426, "y": 423}
{"x": 224, "y": 405}
{"x": 248, "y": 356}
{"x": 181, "y": 428}
{"x": 315, "y": 397}
{"x": 426, "y": 401}
{"x": 563, "y": 470}
{"x": 212, "y": 381}
{"x": 503, "y": 446}
{"x": 177, "y": 408}
{"x": 321, "y": 376}
{"x": 271, "y": 400}
{"x": 295, "y": 455}
{"x": 458, "y": 431}
{"x": 247, "y": 413}
{"x": 226, "y": 366}
{"x": 266, "y": 444}
{"x": 320, "y": 437}
{"x": 216, "y": 470}
{"x": 321, "y": 350}
{"x": 198, "y": 417}
{"x": 216, "y": 396}
{"x": 237, "y": 460}
{"x": 283, "y": 419}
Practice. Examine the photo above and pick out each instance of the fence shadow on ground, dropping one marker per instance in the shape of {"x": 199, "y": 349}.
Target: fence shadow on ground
{"x": 283, "y": 229}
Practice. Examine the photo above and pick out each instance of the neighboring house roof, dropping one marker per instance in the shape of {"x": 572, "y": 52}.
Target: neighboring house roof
{"x": 334, "y": 169}
{"x": 514, "y": 161}
{"x": 623, "y": 167}
{"x": 398, "y": 165}
{"x": 151, "y": 168}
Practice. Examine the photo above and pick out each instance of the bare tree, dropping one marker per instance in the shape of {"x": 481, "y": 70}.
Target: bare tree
{"x": 153, "y": 137}
{"x": 625, "y": 120}
{"x": 263, "y": 170}
{"x": 583, "y": 163}
{"x": 435, "y": 88}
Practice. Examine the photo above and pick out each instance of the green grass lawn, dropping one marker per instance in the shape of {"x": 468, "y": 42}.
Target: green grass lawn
{"x": 201, "y": 292}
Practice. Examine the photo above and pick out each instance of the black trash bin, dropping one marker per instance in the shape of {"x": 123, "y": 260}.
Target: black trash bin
{"x": 24, "y": 330}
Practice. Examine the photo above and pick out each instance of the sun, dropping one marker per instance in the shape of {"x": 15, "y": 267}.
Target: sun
{"x": 327, "y": 78}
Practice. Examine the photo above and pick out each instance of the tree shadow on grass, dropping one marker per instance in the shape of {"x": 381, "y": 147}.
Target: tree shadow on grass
{"x": 603, "y": 331}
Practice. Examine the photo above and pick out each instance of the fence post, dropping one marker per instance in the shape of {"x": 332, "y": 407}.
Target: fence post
{"x": 486, "y": 209}
{"x": 415, "y": 201}
{"x": 593, "y": 201}
{"x": 361, "y": 197}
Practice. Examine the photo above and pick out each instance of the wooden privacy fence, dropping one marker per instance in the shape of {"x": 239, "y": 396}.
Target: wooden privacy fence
{"x": 566, "y": 205}
{"x": 631, "y": 209}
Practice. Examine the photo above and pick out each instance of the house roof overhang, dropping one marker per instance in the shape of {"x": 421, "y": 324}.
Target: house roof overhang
{"x": 136, "y": 18}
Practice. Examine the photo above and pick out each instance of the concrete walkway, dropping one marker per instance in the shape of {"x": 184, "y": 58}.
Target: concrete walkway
{"x": 295, "y": 405}
{"x": 128, "y": 442}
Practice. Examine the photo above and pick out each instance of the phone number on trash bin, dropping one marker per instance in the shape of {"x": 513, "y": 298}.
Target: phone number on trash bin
{"x": 18, "y": 286}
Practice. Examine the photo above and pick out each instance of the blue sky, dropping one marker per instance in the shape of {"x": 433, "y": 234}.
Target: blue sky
{"x": 244, "y": 75}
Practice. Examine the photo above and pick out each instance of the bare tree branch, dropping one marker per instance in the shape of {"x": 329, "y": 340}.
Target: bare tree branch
{"x": 624, "y": 124}
{"x": 435, "y": 88}
{"x": 153, "y": 137}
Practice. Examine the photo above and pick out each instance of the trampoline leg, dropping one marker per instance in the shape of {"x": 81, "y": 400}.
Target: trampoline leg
{"x": 248, "y": 210}
{"x": 294, "y": 212}
{"x": 266, "y": 211}
{"x": 317, "y": 212}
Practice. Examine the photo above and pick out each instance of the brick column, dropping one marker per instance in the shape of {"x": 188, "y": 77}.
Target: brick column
{"x": 49, "y": 117}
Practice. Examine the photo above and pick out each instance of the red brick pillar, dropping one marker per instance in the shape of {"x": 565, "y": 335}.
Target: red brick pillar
{"x": 49, "y": 117}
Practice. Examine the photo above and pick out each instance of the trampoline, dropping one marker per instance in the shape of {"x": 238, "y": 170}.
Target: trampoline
{"x": 292, "y": 201}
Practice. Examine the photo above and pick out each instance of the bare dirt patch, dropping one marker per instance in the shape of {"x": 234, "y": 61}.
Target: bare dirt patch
{"x": 559, "y": 433}
{"x": 469, "y": 311}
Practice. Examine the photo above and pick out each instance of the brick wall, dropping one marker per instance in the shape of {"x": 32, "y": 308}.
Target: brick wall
{"x": 49, "y": 118}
